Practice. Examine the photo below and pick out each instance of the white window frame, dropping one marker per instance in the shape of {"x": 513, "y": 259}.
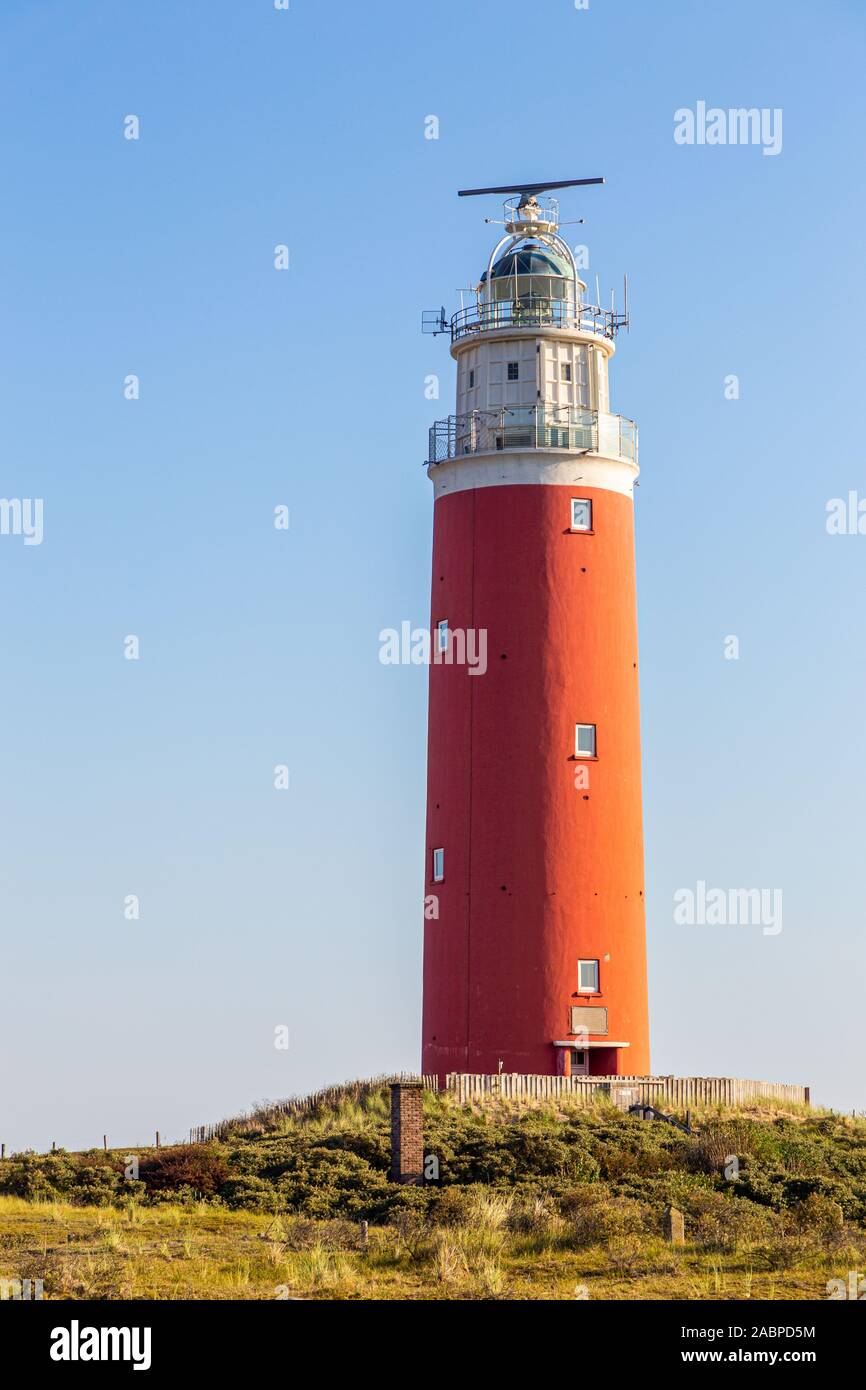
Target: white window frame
{"x": 438, "y": 865}
{"x": 581, "y": 752}
{"x": 588, "y": 989}
{"x": 581, "y": 502}
{"x": 471, "y": 378}
{"x": 516, "y": 366}
{"x": 442, "y": 635}
{"x": 565, "y": 371}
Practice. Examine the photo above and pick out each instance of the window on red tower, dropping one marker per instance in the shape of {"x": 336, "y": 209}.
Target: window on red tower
{"x": 438, "y": 865}
{"x": 584, "y": 740}
{"x": 581, "y": 514}
{"x": 587, "y": 977}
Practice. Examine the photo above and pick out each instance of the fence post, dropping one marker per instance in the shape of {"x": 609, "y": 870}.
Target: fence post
{"x": 674, "y": 1226}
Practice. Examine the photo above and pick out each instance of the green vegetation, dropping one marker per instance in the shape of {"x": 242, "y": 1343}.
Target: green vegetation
{"x": 530, "y": 1203}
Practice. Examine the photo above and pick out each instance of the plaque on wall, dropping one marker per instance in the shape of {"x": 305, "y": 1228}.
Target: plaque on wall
{"x": 585, "y": 1018}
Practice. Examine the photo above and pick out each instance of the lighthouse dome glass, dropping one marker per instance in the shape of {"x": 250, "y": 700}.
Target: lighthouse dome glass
{"x": 531, "y": 259}
{"x": 531, "y": 270}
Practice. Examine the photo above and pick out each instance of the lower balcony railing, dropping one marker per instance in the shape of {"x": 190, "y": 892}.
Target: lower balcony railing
{"x": 531, "y": 427}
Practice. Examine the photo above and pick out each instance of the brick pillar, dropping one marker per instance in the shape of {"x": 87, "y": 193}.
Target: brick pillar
{"x": 407, "y": 1132}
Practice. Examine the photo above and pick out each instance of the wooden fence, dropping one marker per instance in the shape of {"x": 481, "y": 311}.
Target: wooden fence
{"x": 652, "y": 1090}
{"x": 264, "y": 1116}
{"x": 464, "y": 1087}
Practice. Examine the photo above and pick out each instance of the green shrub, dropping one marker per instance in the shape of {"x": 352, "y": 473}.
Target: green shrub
{"x": 324, "y": 1183}
{"x": 820, "y": 1215}
{"x": 451, "y": 1207}
{"x": 373, "y": 1145}
{"x": 52, "y": 1177}
{"x": 599, "y": 1223}
{"x": 97, "y": 1186}
{"x": 302, "y": 1233}
{"x": 784, "y": 1252}
{"x": 723, "y": 1221}
{"x": 761, "y": 1184}
{"x": 798, "y": 1190}
{"x": 249, "y": 1194}
{"x": 581, "y": 1195}
{"x": 533, "y": 1215}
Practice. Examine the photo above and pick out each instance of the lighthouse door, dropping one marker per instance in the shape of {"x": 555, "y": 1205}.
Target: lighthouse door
{"x": 579, "y": 1063}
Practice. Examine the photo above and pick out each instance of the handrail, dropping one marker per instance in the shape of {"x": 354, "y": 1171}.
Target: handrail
{"x": 525, "y": 427}
{"x": 532, "y": 311}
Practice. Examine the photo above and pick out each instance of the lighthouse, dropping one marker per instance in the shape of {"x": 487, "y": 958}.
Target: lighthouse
{"x": 534, "y": 930}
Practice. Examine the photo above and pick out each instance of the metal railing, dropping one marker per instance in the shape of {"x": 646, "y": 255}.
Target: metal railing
{"x": 529, "y": 311}
{"x": 627, "y": 438}
{"x": 527, "y": 427}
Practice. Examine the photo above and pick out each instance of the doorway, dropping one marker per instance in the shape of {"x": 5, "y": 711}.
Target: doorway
{"x": 579, "y": 1062}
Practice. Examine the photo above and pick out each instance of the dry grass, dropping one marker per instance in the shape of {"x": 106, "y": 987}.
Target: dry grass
{"x": 542, "y": 1205}
{"x": 202, "y": 1253}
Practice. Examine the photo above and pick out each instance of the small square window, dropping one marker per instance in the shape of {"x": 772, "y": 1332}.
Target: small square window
{"x": 565, "y": 371}
{"x": 587, "y": 977}
{"x": 442, "y": 635}
{"x": 513, "y": 371}
{"x": 471, "y": 377}
{"x": 584, "y": 740}
{"x": 581, "y": 514}
{"x": 438, "y": 865}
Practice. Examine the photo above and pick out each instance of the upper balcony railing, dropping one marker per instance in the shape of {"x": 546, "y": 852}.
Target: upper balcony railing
{"x": 532, "y": 427}
{"x": 531, "y": 312}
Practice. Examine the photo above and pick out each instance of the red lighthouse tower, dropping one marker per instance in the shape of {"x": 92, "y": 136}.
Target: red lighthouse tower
{"x": 534, "y": 936}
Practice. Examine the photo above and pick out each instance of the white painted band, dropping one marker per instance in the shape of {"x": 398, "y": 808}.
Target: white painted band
{"x": 538, "y": 330}
{"x": 532, "y": 466}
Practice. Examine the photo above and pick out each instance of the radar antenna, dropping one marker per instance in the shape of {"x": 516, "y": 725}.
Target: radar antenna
{"x": 523, "y": 211}
{"x": 527, "y": 190}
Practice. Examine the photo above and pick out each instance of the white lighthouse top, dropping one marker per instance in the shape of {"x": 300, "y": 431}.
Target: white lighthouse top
{"x": 532, "y": 398}
{"x": 531, "y": 280}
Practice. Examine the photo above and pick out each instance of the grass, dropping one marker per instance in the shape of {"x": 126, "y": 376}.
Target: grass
{"x": 193, "y": 1252}
{"x": 543, "y": 1202}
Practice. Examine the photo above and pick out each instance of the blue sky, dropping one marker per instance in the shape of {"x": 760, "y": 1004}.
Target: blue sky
{"x": 155, "y": 257}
